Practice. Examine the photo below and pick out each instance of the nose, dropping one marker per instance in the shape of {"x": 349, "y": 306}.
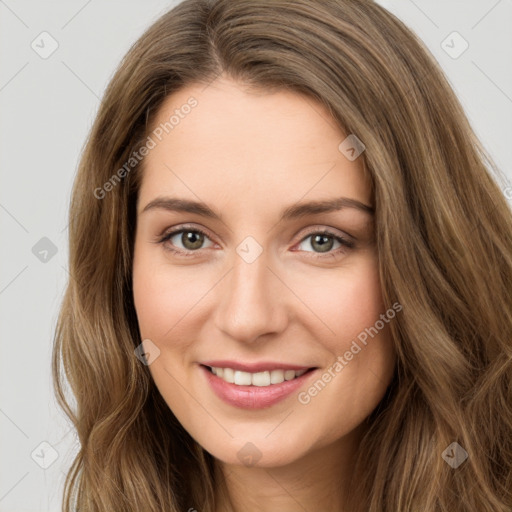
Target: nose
{"x": 251, "y": 302}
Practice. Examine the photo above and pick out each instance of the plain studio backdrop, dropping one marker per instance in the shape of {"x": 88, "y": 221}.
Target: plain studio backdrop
{"x": 56, "y": 60}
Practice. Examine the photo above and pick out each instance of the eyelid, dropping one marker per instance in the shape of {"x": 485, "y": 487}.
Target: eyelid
{"x": 345, "y": 239}
{"x": 322, "y": 228}
{"x": 347, "y": 242}
{"x": 182, "y": 227}
{"x": 316, "y": 229}
{"x": 169, "y": 233}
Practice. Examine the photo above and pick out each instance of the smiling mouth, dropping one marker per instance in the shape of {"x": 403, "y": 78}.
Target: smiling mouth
{"x": 259, "y": 379}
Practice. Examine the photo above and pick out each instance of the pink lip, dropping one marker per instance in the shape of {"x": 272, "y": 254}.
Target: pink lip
{"x": 254, "y": 367}
{"x": 252, "y": 397}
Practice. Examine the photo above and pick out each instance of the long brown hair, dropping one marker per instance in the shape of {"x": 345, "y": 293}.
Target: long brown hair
{"x": 443, "y": 234}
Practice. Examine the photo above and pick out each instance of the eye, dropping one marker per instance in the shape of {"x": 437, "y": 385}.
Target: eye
{"x": 191, "y": 240}
{"x": 322, "y": 242}
{"x": 185, "y": 241}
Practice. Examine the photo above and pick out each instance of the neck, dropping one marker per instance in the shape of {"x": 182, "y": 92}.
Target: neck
{"x": 317, "y": 481}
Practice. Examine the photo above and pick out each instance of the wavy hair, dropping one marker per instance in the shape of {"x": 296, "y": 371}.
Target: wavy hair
{"x": 443, "y": 235}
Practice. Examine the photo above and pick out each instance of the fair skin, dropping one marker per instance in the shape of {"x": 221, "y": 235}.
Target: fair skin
{"x": 248, "y": 156}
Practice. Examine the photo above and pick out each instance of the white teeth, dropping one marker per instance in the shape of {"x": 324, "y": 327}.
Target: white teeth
{"x": 276, "y": 376}
{"x": 242, "y": 378}
{"x": 228, "y": 375}
{"x": 289, "y": 374}
{"x": 260, "y": 379}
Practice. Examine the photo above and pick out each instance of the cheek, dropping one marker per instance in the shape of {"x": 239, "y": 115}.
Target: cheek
{"x": 362, "y": 358}
{"x": 344, "y": 302}
{"x": 170, "y": 304}
{"x": 161, "y": 307}
{"x": 349, "y": 306}
{"x": 154, "y": 307}
{"x": 161, "y": 297}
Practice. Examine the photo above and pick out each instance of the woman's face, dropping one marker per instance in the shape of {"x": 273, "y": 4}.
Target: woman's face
{"x": 270, "y": 286}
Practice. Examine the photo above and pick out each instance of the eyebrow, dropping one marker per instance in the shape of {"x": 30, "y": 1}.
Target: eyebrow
{"x": 294, "y": 211}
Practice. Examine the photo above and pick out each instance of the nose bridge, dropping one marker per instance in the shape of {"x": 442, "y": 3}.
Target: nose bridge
{"x": 249, "y": 305}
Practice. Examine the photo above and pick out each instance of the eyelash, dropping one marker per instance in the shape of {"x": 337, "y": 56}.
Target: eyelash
{"x": 346, "y": 244}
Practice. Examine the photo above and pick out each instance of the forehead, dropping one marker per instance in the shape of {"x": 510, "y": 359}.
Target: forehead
{"x": 239, "y": 145}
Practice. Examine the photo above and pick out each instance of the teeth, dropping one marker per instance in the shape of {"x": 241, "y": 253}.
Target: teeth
{"x": 276, "y": 376}
{"x": 260, "y": 379}
{"x": 243, "y": 378}
{"x": 289, "y": 374}
{"x": 229, "y": 375}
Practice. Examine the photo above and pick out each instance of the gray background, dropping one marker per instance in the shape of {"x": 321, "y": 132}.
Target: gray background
{"x": 47, "y": 106}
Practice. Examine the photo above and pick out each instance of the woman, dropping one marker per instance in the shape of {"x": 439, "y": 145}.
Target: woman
{"x": 291, "y": 274}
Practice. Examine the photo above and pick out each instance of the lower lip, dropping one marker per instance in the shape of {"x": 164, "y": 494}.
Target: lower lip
{"x": 253, "y": 397}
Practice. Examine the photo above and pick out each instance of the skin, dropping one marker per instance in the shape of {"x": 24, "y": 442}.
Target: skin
{"x": 249, "y": 155}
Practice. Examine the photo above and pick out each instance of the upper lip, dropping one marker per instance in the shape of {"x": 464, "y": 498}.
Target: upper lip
{"x": 253, "y": 367}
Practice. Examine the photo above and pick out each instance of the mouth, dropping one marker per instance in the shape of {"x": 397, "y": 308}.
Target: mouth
{"x": 257, "y": 389}
{"x": 265, "y": 378}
